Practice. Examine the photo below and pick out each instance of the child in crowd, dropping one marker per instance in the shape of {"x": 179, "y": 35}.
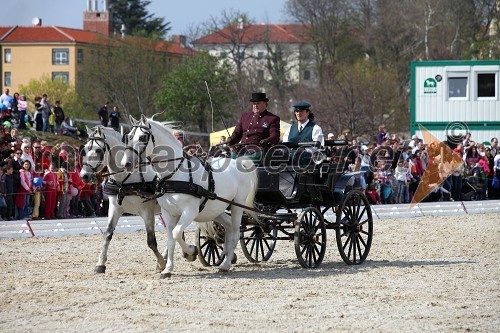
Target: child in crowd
{"x": 372, "y": 194}
{"x": 402, "y": 178}
{"x": 37, "y": 191}
{"x": 23, "y": 198}
{"x": 3, "y": 203}
{"x": 50, "y": 182}
{"x": 9, "y": 192}
{"x": 62, "y": 191}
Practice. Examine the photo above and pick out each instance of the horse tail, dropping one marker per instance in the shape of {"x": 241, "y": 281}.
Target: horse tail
{"x": 249, "y": 165}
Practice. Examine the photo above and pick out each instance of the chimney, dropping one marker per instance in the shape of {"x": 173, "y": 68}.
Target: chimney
{"x": 97, "y": 21}
{"x": 179, "y": 39}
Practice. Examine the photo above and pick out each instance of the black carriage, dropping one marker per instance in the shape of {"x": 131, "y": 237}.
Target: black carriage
{"x": 303, "y": 191}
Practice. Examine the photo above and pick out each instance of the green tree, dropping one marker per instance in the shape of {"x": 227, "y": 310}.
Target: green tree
{"x": 184, "y": 98}
{"x": 138, "y": 22}
{"x": 56, "y": 90}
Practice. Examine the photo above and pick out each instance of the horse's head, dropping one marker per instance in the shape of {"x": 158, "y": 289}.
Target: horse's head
{"x": 137, "y": 143}
{"x": 152, "y": 140}
{"x": 102, "y": 144}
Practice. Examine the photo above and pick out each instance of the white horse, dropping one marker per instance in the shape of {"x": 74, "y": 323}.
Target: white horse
{"x": 194, "y": 190}
{"x": 103, "y": 149}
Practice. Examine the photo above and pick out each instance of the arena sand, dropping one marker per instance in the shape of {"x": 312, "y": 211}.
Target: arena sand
{"x": 433, "y": 274}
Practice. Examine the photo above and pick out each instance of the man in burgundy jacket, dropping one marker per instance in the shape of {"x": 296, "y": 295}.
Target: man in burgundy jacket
{"x": 256, "y": 130}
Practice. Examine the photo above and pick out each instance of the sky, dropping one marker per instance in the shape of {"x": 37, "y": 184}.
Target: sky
{"x": 180, "y": 13}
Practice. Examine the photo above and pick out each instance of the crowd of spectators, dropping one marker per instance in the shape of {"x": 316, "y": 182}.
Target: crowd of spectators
{"x": 394, "y": 168}
{"x": 47, "y": 117}
{"x": 40, "y": 180}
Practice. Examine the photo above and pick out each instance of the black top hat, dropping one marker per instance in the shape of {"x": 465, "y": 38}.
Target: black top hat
{"x": 257, "y": 97}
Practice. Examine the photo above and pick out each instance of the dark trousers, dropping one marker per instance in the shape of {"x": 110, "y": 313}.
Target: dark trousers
{"x": 456, "y": 187}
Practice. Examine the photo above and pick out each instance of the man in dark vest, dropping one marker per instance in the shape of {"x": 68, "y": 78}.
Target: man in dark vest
{"x": 305, "y": 130}
{"x": 256, "y": 130}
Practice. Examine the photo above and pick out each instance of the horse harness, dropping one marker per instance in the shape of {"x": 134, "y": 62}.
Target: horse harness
{"x": 111, "y": 186}
{"x": 165, "y": 185}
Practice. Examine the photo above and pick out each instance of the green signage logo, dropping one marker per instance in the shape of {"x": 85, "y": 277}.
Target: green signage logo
{"x": 430, "y": 86}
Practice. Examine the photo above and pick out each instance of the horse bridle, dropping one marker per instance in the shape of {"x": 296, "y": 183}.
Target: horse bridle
{"x": 147, "y": 130}
{"x": 101, "y": 150}
{"x": 150, "y": 136}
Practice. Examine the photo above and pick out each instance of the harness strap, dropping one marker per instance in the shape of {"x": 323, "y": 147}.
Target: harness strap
{"x": 112, "y": 187}
{"x": 211, "y": 183}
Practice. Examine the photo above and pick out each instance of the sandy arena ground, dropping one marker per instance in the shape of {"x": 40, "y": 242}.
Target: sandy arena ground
{"x": 434, "y": 274}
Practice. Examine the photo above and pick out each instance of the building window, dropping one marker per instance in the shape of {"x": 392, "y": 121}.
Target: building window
{"x": 457, "y": 87}
{"x": 60, "y": 75}
{"x": 79, "y": 56}
{"x": 260, "y": 55}
{"x": 60, "y": 56}
{"x": 7, "y": 56}
{"x": 7, "y": 79}
{"x": 486, "y": 85}
{"x": 223, "y": 55}
{"x": 307, "y": 75}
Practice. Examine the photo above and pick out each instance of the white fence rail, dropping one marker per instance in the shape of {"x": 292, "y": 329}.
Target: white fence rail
{"x": 44, "y": 228}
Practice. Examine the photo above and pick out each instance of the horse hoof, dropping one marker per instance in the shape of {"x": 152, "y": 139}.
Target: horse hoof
{"x": 165, "y": 275}
{"x": 235, "y": 258}
{"x": 191, "y": 257}
{"x": 100, "y": 269}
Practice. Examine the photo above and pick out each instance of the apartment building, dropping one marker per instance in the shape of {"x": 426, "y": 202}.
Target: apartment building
{"x": 30, "y": 52}
{"x": 255, "y": 48}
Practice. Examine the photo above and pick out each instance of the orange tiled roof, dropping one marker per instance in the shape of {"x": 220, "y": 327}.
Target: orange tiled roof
{"x": 272, "y": 33}
{"x": 53, "y": 34}
{"x": 3, "y": 31}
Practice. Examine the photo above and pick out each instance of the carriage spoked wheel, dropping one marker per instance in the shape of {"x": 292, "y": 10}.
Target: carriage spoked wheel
{"x": 310, "y": 238}
{"x": 354, "y": 232}
{"x": 210, "y": 246}
{"x": 257, "y": 243}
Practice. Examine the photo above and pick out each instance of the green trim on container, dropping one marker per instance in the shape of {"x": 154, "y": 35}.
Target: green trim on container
{"x": 441, "y": 125}
{"x": 440, "y": 63}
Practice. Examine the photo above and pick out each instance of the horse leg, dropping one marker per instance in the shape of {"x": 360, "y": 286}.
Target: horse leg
{"x": 149, "y": 222}
{"x": 115, "y": 212}
{"x": 168, "y": 254}
{"x": 189, "y": 254}
{"x": 176, "y": 235}
{"x": 232, "y": 235}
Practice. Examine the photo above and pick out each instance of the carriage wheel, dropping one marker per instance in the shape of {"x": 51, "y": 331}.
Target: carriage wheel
{"x": 310, "y": 238}
{"x": 256, "y": 243}
{"x": 209, "y": 250}
{"x": 355, "y": 228}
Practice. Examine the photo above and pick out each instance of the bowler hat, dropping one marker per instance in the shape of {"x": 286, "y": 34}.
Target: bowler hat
{"x": 257, "y": 97}
{"x": 302, "y": 106}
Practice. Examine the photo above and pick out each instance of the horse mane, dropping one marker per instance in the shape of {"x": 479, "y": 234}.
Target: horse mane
{"x": 168, "y": 125}
{"x": 108, "y": 131}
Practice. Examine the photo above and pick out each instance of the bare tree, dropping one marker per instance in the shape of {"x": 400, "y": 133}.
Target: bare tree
{"x": 125, "y": 72}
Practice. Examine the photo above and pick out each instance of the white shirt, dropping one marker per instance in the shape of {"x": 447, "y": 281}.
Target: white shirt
{"x": 317, "y": 133}
{"x": 496, "y": 162}
{"x": 4, "y": 99}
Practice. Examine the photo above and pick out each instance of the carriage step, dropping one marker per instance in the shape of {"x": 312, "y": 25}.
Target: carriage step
{"x": 278, "y": 216}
